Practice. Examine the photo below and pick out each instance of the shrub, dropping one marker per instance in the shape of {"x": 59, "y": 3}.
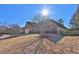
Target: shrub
{"x": 70, "y": 32}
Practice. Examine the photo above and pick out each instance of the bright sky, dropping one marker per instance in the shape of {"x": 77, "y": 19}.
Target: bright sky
{"x": 20, "y": 13}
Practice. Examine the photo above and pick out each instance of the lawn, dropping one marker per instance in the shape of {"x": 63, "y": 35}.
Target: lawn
{"x": 32, "y": 44}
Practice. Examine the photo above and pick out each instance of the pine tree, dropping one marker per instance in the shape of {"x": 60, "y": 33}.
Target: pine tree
{"x": 75, "y": 19}
{"x": 61, "y": 21}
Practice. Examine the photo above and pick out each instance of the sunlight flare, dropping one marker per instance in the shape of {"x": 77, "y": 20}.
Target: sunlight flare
{"x": 45, "y": 12}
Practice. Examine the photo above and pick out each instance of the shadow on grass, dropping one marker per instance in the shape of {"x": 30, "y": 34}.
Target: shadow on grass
{"x": 52, "y": 37}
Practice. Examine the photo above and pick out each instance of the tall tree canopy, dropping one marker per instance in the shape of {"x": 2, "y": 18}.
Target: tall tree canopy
{"x": 75, "y": 19}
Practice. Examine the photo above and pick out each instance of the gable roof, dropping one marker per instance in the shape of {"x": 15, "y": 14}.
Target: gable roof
{"x": 58, "y": 24}
{"x": 31, "y": 23}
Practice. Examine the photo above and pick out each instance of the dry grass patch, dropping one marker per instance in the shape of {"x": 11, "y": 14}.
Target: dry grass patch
{"x": 34, "y": 45}
{"x": 7, "y": 45}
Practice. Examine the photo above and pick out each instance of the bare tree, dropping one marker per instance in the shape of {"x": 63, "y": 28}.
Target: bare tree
{"x": 14, "y": 29}
{"x": 40, "y": 23}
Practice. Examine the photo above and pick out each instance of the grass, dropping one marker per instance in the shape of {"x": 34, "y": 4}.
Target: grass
{"x": 33, "y": 44}
{"x": 16, "y": 44}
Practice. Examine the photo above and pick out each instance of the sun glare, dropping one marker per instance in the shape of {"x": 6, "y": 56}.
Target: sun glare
{"x": 45, "y": 12}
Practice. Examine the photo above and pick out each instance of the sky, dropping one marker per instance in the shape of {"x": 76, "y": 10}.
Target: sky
{"x": 21, "y": 13}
